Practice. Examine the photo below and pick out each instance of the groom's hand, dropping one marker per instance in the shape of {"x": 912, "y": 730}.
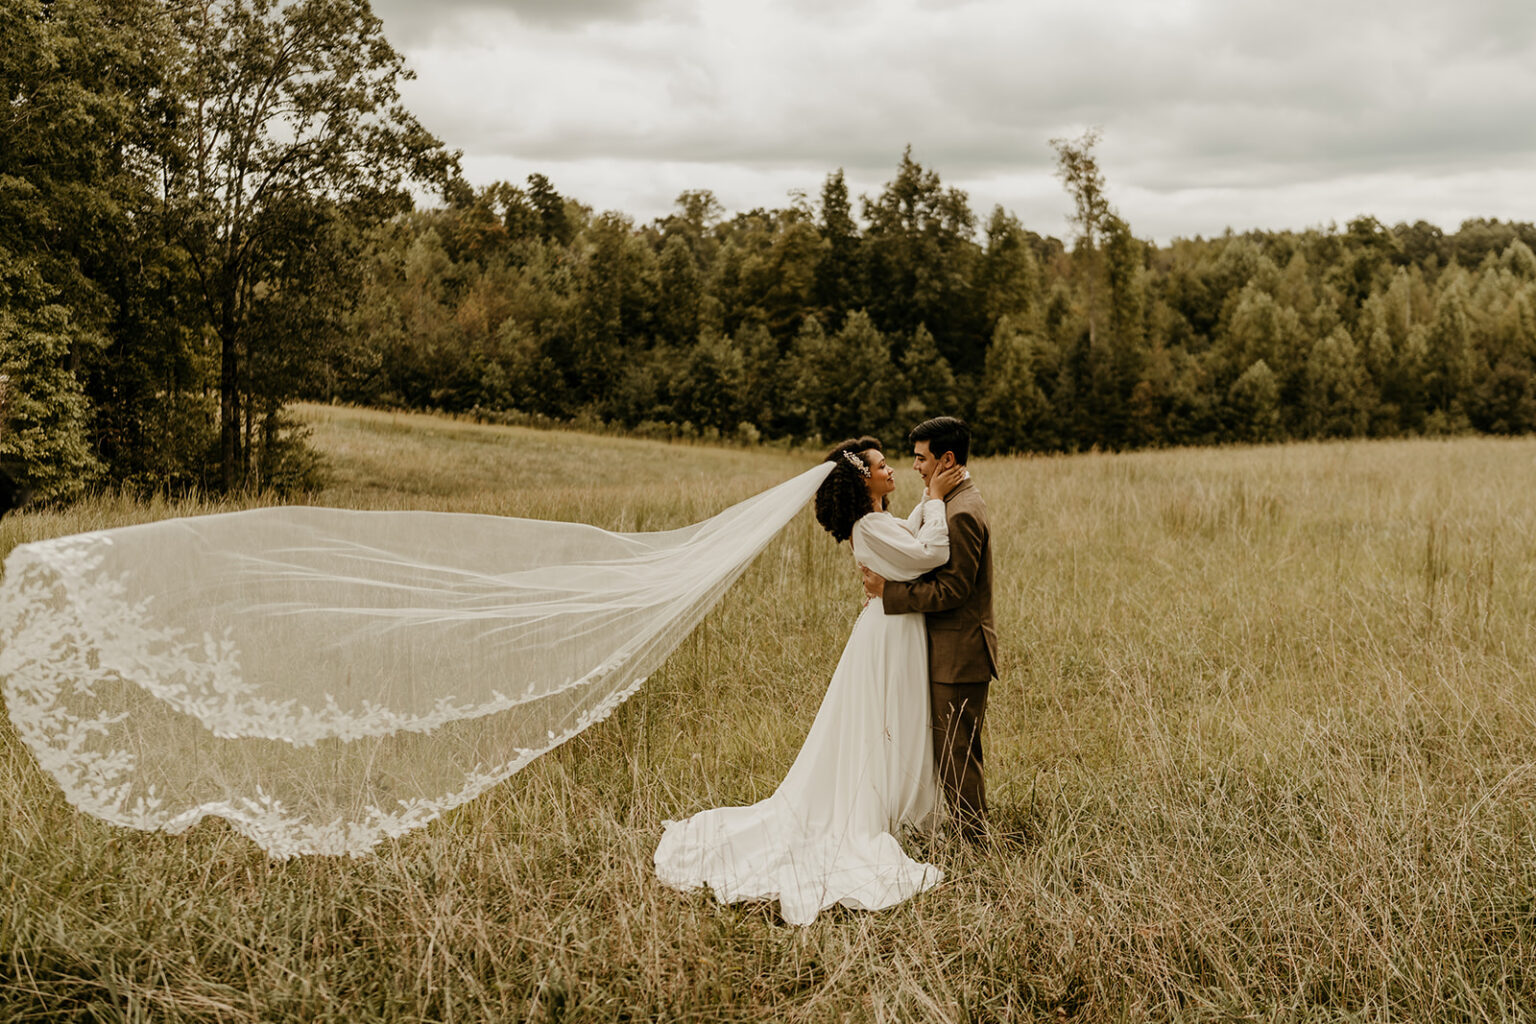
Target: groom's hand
{"x": 874, "y": 584}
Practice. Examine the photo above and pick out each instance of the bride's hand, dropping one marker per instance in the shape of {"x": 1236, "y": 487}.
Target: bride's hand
{"x": 944, "y": 481}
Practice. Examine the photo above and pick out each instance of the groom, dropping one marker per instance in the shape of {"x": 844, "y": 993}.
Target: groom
{"x": 962, "y": 642}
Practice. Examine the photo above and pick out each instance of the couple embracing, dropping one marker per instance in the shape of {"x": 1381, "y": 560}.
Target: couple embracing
{"x": 902, "y": 715}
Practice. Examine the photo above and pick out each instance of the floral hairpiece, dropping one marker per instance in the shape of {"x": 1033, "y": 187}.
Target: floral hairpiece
{"x": 857, "y": 463}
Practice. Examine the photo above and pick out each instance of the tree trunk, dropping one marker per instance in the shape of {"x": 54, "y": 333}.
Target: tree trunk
{"x": 267, "y": 464}
{"x": 229, "y": 408}
{"x": 231, "y": 451}
{"x": 246, "y": 477}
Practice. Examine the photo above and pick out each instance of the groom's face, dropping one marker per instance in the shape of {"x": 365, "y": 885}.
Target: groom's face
{"x": 924, "y": 461}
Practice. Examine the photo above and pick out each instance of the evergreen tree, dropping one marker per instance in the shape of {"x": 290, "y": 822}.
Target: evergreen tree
{"x": 532, "y": 381}
{"x": 1447, "y": 360}
{"x": 865, "y": 382}
{"x": 548, "y": 207}
{"x": 811, "y": 379}
{"x": 1386, "y": 320}
{"x": 1012, "y": 412}
{"x": 763, "y": 381}
{"x": 715, "y": 384}
{"x": 1261, "y": 330}
{"x": 1519, "y": 261}
{"x": 1253, "y": 403}
{"x": 920, "y": 260}
{"x": 928, "y": 385}
{"x": 1337, "y": 397}
{"x": 1008, "y": 276}
{"x": 678, "y": 295}
{"x": 1503, "y": 398}
{"x": 1369, "y": 255}
{"x": 840, "y": 385}
{"x": 616, "y": 286}
{"x": 789, "y": 270}
{"x": 838, "y": 274}
{"x": 1118, "y": 364}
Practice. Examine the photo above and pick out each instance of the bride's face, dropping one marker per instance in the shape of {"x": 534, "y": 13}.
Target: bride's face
{"x": 882, "y": 478}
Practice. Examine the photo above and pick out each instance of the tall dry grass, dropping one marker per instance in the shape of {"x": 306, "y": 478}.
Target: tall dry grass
{"x": 1262, "y": 749}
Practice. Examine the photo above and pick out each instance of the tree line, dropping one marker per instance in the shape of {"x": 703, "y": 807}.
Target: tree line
{"x": 206, "y": 213}
{"x": 821, "y": 320}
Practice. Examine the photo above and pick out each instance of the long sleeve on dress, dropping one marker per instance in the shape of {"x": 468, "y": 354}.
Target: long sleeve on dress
{"x": 915, "y": 517}
{"x": 898, "y": 551}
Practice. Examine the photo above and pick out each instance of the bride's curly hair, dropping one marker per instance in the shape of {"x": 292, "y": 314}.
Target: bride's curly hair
{"x": 843, "y": 497}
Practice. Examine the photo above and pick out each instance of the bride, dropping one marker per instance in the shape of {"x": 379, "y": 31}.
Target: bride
{"x": 827, "y": 834}
{"x": 324, "y": 679}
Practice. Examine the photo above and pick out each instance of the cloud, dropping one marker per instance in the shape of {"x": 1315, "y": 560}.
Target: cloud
{"x": 1196, "y": 97}
{"x": 410, "y": 23}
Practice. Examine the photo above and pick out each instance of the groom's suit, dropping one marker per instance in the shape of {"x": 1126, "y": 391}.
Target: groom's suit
{"x": 956, "y": 599}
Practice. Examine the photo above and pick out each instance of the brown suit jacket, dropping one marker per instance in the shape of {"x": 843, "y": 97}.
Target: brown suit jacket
{"x": 957, "y": 596}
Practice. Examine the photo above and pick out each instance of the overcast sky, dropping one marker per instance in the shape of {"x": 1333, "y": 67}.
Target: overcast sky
{"x": 1215, "y": 113}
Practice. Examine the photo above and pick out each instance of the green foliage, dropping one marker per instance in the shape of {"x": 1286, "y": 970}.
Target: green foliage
{"x": 677, "y": 299}
{"x": 616, "y": 298}
{"x": 78, "y": 259}
{"x": 1012, "y": 411}
{"x": 183, "y": 193}
{"x": 44, "y": 411}
{"x": 1447, "y": 360}
{"x": 919, "y": 262}
{"x": 206, "y": 212}
{"x": 1008, "y": 276}
{"x": 716, "y": 386}
{"x": 698, "y": 322}
{"x": 1254, "y": 402}
{"x": 552, "y": 221}
{"x": 290, "y": 133}
{"x": 927, "y": 385}
{"x": 1336, "y": 401}
{"x": 840, "y": 385}
{"x": 839, "y": 273}
{"x": 1078, "y": 169}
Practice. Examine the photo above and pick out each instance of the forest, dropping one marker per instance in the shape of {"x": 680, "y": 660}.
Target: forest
{"x": 210, "y": 209}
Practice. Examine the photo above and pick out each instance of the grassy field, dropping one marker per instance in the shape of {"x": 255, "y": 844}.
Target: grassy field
{"x": 1264, "y": 745}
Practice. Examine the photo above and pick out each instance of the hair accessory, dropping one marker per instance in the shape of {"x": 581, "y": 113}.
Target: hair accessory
{"x": 857, "y": 463}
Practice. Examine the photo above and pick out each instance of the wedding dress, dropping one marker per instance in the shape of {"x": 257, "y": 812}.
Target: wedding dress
{"x": 827, "y": 835}
{"x": 324, "y": 679}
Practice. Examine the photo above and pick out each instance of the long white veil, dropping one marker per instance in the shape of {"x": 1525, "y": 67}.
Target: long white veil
{"x": 324, "y": 678}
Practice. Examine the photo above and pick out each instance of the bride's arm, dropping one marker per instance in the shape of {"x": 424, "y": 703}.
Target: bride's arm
{"x": 894, "y": 552}
{"x": 915, "y": 517}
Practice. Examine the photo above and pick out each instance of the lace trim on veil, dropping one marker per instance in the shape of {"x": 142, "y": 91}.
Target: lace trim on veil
{"x": 322, "y": 711}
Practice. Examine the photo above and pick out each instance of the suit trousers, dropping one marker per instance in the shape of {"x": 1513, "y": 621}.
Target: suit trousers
{"x": 958, "y": 710}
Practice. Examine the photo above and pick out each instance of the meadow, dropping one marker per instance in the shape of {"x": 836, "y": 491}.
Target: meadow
{"x": 1263, "y": 748}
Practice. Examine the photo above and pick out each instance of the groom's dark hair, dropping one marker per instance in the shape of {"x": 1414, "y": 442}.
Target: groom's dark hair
{"x": 944, "y": 434}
